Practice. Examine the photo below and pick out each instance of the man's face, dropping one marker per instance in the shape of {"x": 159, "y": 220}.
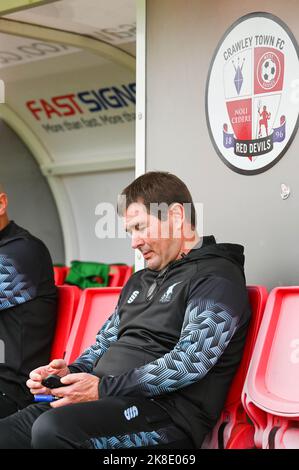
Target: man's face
{"x": 3, "y": 204}
{"x": 151, "y": 236}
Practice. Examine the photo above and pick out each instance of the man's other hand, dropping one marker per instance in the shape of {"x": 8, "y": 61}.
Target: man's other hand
{"x": 57, "y": 367}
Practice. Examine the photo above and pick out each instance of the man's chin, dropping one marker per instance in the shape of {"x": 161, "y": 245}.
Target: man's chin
{"x": 149, "y": 265}
{"x": 152, "y": 265}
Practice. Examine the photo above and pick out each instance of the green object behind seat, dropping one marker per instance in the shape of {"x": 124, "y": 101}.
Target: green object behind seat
{"x": 88, "y": 274}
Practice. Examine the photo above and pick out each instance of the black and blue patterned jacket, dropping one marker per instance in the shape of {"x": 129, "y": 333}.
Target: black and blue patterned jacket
{"x": 27, "y": 309}
{"x": 181, "y": 347}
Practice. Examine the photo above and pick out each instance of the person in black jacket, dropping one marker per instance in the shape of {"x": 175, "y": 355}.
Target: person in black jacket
{"x": 27, "y": 310}
{"x": 160, "y": 369}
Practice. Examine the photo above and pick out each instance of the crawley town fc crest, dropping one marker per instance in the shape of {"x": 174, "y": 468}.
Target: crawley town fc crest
{"x": 252, "y": 94}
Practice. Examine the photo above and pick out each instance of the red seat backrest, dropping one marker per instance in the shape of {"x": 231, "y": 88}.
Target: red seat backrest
{"x": 60, "y": 273}
{"x": 272, "y": 382}
{"x": 95, "y": 307}
{"x": 257, "y": 297}
{"x": 68, "y": 299}
{"x": 119, "y": 275}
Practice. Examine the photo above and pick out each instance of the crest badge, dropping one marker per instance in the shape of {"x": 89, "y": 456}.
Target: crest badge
{"x": 252, "y": 104}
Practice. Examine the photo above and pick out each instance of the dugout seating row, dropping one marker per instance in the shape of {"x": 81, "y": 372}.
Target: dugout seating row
{"x": 262, "y": 407}
{"x": 118, "y": 275}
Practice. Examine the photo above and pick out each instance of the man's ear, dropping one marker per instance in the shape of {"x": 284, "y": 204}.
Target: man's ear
{"x": 178, "y": 215}
{"x": 3, "y": 204}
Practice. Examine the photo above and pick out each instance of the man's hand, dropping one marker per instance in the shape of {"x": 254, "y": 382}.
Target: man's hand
{"x": 57, "y": 367}
{"x": 79, "y": 388}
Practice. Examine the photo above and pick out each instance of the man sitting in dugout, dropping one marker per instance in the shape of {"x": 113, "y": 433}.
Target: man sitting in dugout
{"x": 159, "y": 371}
{"x": 27, "y": 309}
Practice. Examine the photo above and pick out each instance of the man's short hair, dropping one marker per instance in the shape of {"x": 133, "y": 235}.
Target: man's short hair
{"x": 159, "y": 187}
{"x": 2, "y": 188}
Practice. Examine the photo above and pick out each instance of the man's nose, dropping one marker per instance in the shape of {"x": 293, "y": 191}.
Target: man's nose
{"x": 137, "y": 241}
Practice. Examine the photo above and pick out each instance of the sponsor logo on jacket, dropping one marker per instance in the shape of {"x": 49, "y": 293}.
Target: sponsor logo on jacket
{"x": 131, "y": 413}
{"x": 133, "y": 296}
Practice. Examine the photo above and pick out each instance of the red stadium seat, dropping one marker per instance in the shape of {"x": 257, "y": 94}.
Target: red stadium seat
{"x": 270, "y": 393}
{"x": 60, "y": 273}
{"x": 95, "y": 307}
{"x": 119, "y": 275}
{"x": 68, "y": 299}
{"x": 241, "y": 437}
{"x": 232, "y": 425}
